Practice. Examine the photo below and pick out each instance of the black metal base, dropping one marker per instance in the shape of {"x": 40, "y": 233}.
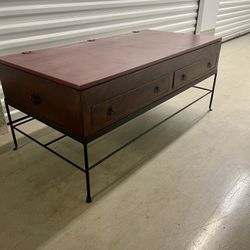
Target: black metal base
{"x": 88, "y": 199}
{"x": 14, "y": 126}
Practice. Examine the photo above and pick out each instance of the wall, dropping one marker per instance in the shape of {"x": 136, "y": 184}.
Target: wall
{"x": 206, "y": 22}
{"x": 34, "y": 24}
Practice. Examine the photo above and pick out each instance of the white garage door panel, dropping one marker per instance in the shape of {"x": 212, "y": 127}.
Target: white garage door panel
{"x": 34, "y": 24}
{"x": 233, "y": 18}
{"x": 38, "y": 24}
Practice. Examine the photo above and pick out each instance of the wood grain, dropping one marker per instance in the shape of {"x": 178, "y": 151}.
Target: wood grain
{"x": 87, "y": 64}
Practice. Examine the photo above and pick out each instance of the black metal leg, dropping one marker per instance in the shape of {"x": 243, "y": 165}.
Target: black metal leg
{"x": 212, "y": 94}
{"x": 86, "y": 162}
{"x": 11, "y": 124}
{"x": 85, "y": 142}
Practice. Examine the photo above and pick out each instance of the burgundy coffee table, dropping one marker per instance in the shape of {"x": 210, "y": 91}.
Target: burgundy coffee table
{"x": 87, "y": 89}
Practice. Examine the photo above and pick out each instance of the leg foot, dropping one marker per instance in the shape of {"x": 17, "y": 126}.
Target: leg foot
{"x": 88, "y": 199}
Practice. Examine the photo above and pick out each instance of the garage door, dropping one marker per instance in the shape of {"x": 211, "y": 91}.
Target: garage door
{"x": 233, "y": 18}
{"x": 34, "y": 24}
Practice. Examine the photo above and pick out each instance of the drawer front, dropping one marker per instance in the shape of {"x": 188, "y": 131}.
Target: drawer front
{"x": 118, "y": 107}
{"x": 42, "y": 99}
{"x": 112, "y": 101}
{"x": 203, "y": 62}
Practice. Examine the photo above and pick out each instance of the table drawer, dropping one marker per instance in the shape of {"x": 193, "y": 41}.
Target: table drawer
{"x": 195, "y": 70}
{"x": 43, "y": 99}
{"x": 118, "y": 107}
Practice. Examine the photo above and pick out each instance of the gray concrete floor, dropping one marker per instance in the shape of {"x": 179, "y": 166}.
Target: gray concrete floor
{"x": 3, "y": 127}
{"x": 185, "y": 185}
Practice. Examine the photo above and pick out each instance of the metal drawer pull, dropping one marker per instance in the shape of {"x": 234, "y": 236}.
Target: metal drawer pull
{"x": 156, "y": 89}
{"x": 26, "y": 52}
{"x": 110, "y": 111}
{"x": 183, "y": 77}
{"x": 35, "y": 99}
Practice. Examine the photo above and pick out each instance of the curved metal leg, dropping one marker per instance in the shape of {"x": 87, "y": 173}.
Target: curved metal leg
{"x": 86, "y": 162}
{"x": 212, "y": 94}
{"x": 11, "y": 124}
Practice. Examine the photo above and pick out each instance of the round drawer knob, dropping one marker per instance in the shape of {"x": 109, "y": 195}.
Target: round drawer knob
{"x": 110, "y": 111}
{"x": 183, "y": 77}
{"x": 209, "y": 64}
{"x": 35, "y": 99}
{"x": 156, "y": 89}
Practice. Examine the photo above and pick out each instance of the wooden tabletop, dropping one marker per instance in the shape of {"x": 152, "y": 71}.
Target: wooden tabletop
{"x": 86, "y": 64}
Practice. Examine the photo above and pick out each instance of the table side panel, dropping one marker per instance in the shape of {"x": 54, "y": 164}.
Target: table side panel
{"x": 42, "y": 98}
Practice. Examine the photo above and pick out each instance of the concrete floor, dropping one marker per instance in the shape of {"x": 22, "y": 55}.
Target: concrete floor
{"x": 185, "y": 185}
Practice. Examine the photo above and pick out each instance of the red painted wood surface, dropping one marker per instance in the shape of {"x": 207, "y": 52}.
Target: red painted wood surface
{"x": 87, "y": 64}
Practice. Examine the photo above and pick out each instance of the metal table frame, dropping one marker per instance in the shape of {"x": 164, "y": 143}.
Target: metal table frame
{"x": 86, "y": 168}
